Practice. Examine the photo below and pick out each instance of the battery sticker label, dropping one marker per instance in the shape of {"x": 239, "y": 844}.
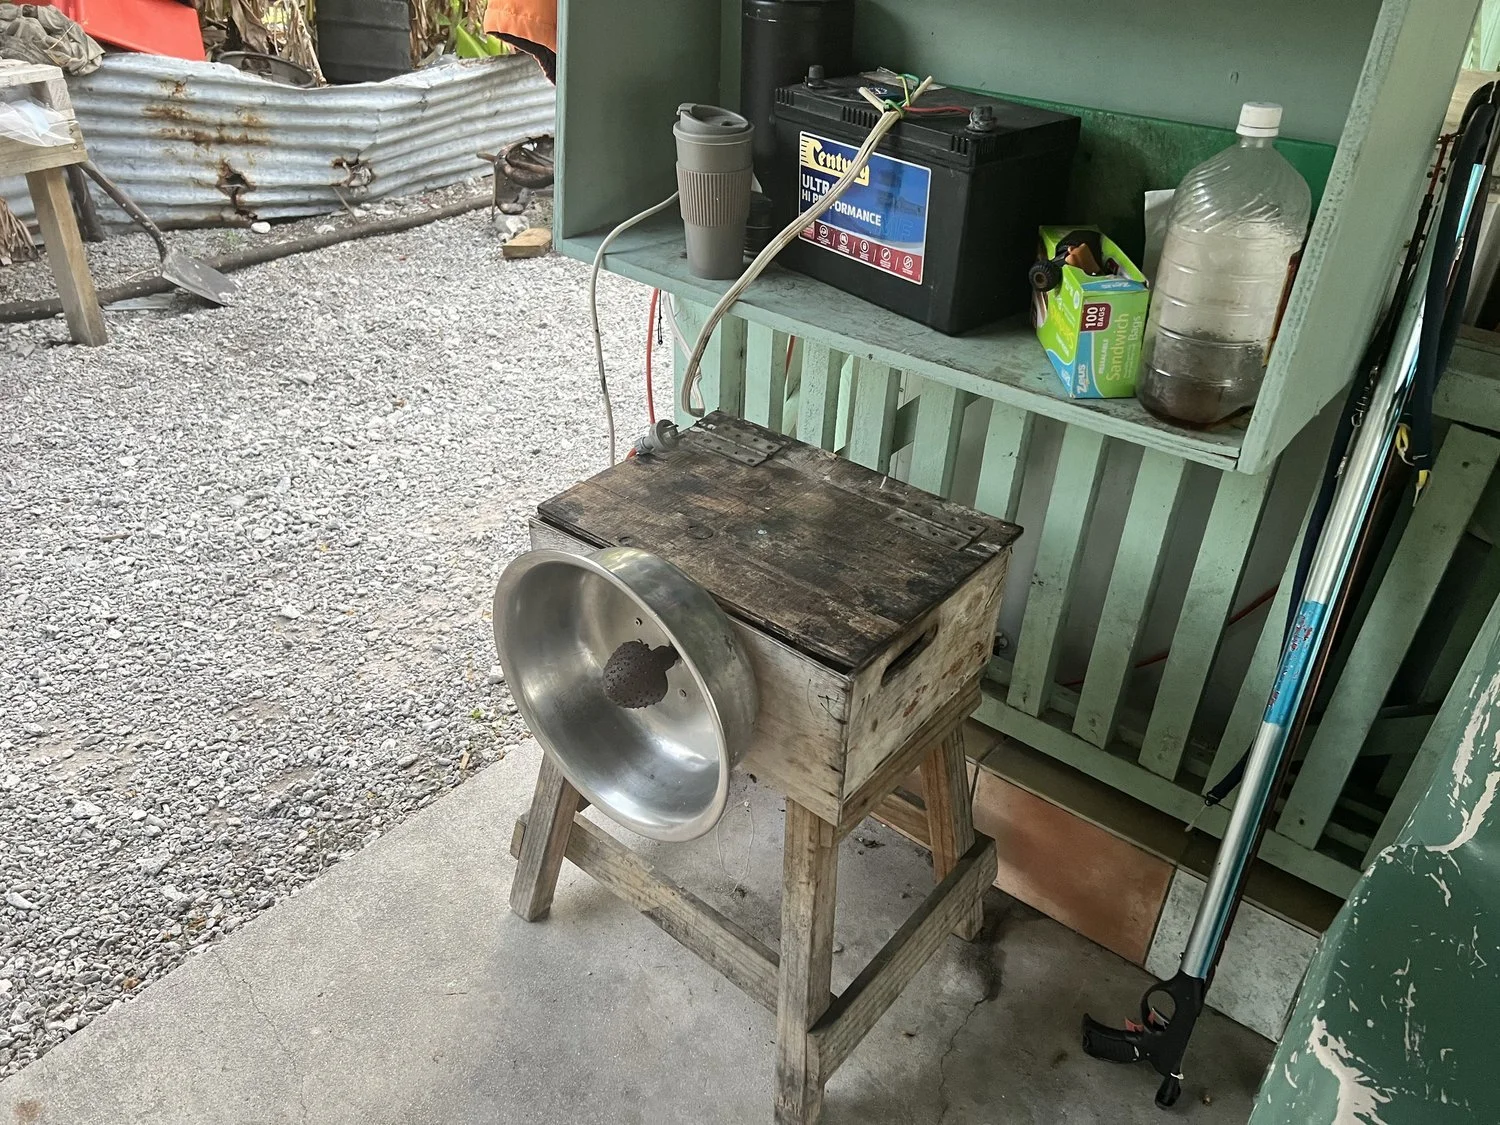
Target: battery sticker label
{"x": 1294, "y": 663}
{"x": 881, "y": 220}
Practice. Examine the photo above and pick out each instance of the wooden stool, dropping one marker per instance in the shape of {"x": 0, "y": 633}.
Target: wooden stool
{"x": 48, "y": 184}
{"x": 868, "y": 610}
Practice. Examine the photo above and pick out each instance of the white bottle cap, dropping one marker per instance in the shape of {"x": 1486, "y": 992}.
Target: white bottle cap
{"x": 1259, "y": 119}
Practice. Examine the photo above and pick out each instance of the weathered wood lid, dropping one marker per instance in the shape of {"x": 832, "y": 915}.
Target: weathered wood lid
{"x": 828, "y": 556}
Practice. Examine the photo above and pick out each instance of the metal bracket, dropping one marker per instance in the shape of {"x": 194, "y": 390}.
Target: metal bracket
{"x": 929, "y": 518}
{"x": 735, "y": 442}
{"x": 945, "y": 534}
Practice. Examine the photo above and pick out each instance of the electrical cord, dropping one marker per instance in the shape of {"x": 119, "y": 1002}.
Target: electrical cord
{"x": 890, "y": 115}
{"x": 652, "y": 327}
{"x": 609, "y": 410}
{"x": 677, "y": 336}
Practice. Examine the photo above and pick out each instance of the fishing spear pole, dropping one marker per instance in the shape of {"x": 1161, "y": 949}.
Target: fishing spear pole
{"x": 1392, "y": 419}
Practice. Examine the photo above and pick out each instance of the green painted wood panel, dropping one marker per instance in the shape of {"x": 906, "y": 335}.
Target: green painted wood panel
{"x": 1132, "y": 585}
{"x": 793, "y": 385}
{"x": 1390, "y": 1025}
{"x": 940, "y": 416}
{"x": 1122, "y": 156}
{"x": 1366, "y": 216}
{"x": 1463, "y": 468}
{"x": 689, "y": 318}
{"x": 1002, "y": 466}
{"x": 1255, "y": 689}
{"x": 1058, "y": 742}
{"x": 877, "y": 395}
{"x": 1445, "y": 731}
{"x": 1469, "y": 391}
{"x": 818, "y": 402}
{"x": 721, "y": 384}
{"x": 1075, "y": 488}
{"x": 765, "y": 375}
{"x": 1232, "y": 523}
{"x": 1466, "y": 625}
{"x": 844, "y": 426}
{"x": 1396, "y": 739}
{"x": 723, "y": 379}
{"x": 1190, "y": 62}
{"x": 614, "y": 76}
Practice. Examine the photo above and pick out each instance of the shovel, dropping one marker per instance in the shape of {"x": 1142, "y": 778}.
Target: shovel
{"x": 187, "y": 273}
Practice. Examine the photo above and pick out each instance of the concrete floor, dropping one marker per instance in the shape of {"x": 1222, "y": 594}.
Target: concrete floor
{"x": 398, "y": 988}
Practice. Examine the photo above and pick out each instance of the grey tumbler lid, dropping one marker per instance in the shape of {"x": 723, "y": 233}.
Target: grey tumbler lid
{"x": 710, "y": 124}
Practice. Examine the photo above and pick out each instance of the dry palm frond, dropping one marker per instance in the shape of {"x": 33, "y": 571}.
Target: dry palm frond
{"x": 15, "y": 239}
{"x": 297, "y": 43}
{"x": 271, "y": 27}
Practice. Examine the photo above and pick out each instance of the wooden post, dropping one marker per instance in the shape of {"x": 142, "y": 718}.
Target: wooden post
{"x": 553, "y": 806}
{"x": 950, "y": 817}
{"x": 54, "y": 213}
{"x": 809, "y": 883}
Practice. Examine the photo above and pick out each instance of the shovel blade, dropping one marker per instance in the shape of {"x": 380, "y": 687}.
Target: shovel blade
{"x": 198, "y": 279}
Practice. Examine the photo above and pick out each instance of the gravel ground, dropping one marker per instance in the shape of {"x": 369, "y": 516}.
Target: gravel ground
{"x": 246, "y": 557}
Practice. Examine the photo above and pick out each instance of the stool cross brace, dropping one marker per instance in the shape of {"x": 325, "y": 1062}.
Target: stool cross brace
{"x": 815, "y": 1030}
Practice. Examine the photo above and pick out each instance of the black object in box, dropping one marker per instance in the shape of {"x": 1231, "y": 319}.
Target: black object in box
{"x": 942, "y": 227}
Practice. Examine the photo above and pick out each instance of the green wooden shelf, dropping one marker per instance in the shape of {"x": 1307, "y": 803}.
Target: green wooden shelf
{"x": 1003, "y": 362}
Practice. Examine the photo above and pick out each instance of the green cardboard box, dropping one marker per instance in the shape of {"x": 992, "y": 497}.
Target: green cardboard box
{"x": 1092, "y": 327}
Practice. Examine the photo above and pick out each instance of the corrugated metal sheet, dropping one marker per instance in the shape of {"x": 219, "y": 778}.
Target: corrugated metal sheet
{"x": 199, "y": 144}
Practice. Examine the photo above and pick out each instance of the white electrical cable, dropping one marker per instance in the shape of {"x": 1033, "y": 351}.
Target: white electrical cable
{"x": 682, "y": 342}
{"x": 888, "y": 119}
{"x": 609, "y": 410}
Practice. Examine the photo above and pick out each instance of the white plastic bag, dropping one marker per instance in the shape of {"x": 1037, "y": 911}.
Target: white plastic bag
{"x": 32, "y": 123}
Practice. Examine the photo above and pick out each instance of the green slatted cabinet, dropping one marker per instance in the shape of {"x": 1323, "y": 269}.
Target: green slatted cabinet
{"x": 1140, "y": 535}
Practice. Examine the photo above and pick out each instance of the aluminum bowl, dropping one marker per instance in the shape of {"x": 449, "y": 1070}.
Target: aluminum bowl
{"x": 663, "y": 770}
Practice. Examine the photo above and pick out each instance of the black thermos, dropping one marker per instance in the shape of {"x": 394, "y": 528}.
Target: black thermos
{"x": 779, "y": 40}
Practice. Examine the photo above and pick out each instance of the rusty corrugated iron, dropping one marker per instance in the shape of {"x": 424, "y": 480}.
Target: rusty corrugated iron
{"x": 200, "y": 144}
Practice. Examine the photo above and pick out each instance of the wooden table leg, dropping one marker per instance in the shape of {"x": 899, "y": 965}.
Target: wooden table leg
{"x": 70, "y": 267}
{"x": 809, "y": 883}
{"x": 950, "y": 816}
{"x": 552, "y": 808}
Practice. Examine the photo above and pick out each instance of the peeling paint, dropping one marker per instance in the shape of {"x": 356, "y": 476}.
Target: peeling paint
{"x": 1411, "y": 1039}
{"x": 1394, "y": 1002}
{"x": 1473, "y": 818}
{"x": 1359, "y": 1099}
{"x": 1447, "y": 894}
{"x": 1479, "y": 719}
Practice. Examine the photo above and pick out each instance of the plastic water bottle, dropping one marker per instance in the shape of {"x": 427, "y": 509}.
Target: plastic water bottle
{"x": 1237, "y": 220}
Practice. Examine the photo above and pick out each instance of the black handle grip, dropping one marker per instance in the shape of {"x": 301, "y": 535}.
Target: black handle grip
{"x": 1112, "y": 1044}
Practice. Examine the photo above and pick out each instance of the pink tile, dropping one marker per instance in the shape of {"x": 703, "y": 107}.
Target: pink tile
{"x": 1088, "y": 879}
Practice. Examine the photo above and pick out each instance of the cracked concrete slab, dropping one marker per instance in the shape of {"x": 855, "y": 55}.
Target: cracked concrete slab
{"x": 398, "y": 988}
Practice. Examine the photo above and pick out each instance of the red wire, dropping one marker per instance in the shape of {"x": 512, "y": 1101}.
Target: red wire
{"x": 1158, "y": 657}
{"x": 786, "y": 368}
{"x": 651, "y": 339}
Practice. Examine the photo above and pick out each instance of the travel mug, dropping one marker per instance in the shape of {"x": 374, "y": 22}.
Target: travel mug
{"x": 714, "y": 168}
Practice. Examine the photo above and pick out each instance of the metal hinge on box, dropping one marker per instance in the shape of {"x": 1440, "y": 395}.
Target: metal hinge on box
{"x": 735, "y": 440}
{"x": 936, "y": 526}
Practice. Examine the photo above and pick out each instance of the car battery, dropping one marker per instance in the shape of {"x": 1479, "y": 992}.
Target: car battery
{"x": 942, "y": 225}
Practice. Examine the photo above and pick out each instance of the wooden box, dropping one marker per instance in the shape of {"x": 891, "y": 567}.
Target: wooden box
{"x": 868, "y": 607}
